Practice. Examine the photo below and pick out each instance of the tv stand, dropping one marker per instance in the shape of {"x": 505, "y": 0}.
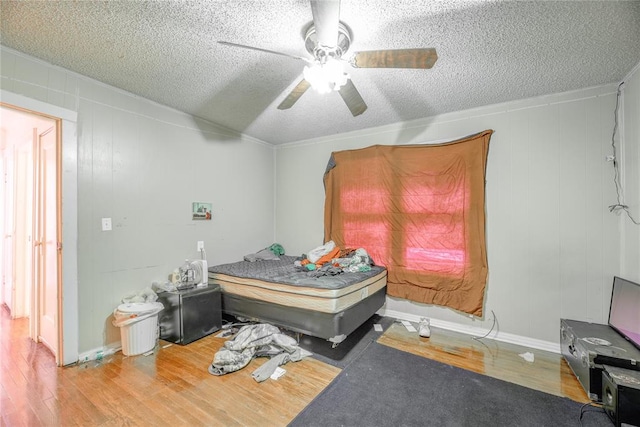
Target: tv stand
{"x": 588, "y": 347}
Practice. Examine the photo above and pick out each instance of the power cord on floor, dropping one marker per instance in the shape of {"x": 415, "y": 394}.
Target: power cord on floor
{"x": 495, "y": 320}
{"x": 596, "y": 405}
{"x": 492, "y": 351}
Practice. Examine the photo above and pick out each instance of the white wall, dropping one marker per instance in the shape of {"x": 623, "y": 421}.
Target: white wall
{"x": 630, "y": 174}
{"x": 142, "y": 165}
{"x": 553, "y": 246}
{"x": 7, "y": 156}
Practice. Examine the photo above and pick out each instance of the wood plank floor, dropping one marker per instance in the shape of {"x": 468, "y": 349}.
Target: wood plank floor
{"x": 173, "y": 387}
{"x": 549, "y": 372}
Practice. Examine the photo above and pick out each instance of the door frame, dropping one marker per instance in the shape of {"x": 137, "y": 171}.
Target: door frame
{"x": 68, "y": 333}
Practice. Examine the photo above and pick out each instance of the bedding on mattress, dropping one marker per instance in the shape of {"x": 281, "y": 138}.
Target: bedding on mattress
{"x": 281, "y": 282}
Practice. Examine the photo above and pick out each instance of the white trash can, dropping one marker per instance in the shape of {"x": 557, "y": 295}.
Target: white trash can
{"x": 138, "y": 323}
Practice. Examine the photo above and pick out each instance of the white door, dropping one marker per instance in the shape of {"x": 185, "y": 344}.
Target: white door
{"x": 46, "y": 247}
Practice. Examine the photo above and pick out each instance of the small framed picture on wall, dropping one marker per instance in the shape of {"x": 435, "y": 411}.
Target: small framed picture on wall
{"x": 201, "y": 211}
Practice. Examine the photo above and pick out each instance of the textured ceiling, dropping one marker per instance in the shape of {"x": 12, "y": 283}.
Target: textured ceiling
{"x": 489, "y": 52}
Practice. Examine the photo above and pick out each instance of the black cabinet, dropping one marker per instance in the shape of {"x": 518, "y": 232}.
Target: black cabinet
{"x": 190, "y": 314}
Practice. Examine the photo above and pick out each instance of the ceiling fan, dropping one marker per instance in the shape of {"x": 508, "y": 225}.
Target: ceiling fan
{"x": 327, "y": 40}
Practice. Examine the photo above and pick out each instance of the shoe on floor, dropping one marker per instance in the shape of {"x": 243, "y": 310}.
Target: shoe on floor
{"x": 423, "y": 328}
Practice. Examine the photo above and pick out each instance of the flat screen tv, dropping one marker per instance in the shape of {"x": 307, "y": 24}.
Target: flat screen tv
{"x": 624, "y": 313}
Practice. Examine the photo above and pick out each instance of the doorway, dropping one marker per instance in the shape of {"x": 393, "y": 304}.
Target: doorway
{"x": 30, "y": 223}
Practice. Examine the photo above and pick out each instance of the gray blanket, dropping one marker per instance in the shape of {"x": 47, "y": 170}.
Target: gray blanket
{"x": 261, "y": 340}
{"x": 284, "y": 271}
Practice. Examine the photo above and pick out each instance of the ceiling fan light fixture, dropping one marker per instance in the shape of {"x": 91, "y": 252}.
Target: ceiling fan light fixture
{"x": 327, "y": 76}
{"x": 325, "y": 72}
{"x": 341, "y": 47}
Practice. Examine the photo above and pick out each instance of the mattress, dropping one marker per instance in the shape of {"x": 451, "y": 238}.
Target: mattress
{"x": 280, "y": 282}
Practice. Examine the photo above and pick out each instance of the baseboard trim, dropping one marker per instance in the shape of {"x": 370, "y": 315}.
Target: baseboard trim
{"x": 98, "y": 353}
{"x": 475, "y": 331}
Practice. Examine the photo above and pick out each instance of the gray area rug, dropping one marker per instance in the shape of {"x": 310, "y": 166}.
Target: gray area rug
{"x": 389, "y": 387}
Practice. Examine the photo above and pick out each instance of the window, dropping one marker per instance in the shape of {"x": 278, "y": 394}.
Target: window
{"x": 419, "y": 211}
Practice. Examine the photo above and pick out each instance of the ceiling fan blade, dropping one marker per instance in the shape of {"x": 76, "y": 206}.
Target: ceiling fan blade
{"x": 326, "y": 17}
{"x": 399, "y": 58}
{"x": 295, "y": 94}
{"x": 352, "y": 98}
{"x": 262, "y": 50}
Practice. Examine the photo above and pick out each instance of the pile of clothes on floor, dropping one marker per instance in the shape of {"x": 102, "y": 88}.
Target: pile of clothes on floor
{"x": 259, "y": 340}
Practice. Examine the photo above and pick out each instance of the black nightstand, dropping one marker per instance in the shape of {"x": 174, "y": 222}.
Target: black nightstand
{"x": 190, "y": 314}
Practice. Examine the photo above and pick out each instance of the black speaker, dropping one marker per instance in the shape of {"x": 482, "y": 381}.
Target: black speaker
{"x": 621, "y": 395}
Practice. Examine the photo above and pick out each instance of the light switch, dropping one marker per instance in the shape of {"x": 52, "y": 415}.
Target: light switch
{"x": 106, "y": 224}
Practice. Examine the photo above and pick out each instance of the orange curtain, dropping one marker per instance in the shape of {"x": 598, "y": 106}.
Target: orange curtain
{"x": 419, "y": 211}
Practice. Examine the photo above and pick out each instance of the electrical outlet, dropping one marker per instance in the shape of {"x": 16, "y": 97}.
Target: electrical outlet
{"x": 200, "y": 245}
{"x": 106, "y": 224}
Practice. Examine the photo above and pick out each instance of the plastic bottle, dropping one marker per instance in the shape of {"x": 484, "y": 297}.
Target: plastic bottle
{"x": 186, "y": 272}
{"x": 98, "y": 355}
